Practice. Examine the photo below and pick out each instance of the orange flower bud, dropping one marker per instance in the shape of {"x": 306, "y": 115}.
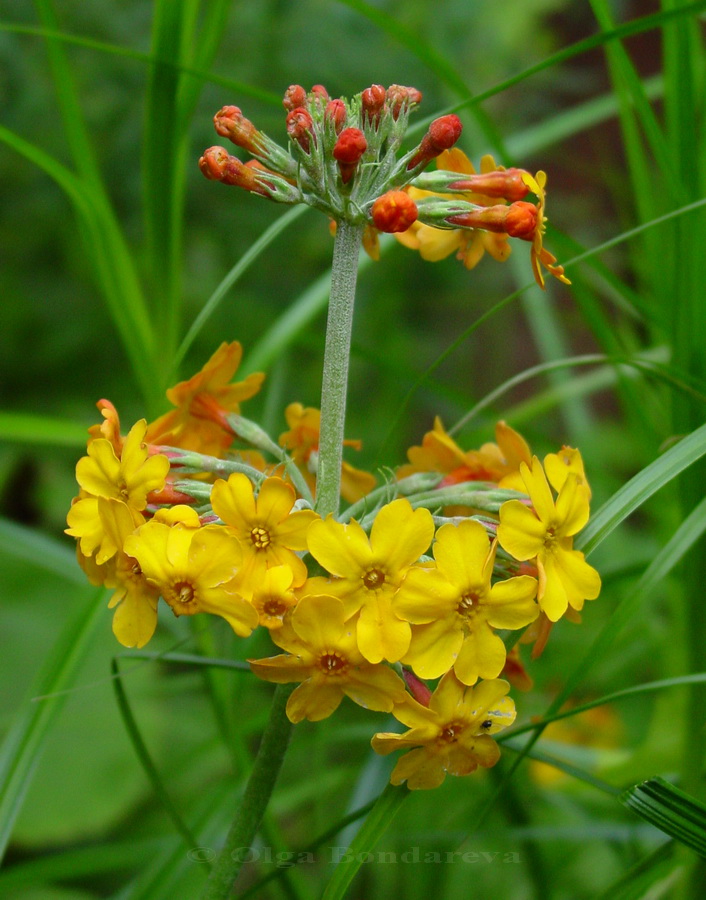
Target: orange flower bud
{"x": 299, "y": 126}
{"x": 349, "y": 148}
{"x": 373, "y": 100}
{"x": 507, "y": 184}
{"x": 398, "y": 95}
{"x": 218, "y": 165}
{"x": 231, "y": 123}
{"x": 394, "y": 212}
{"x": 522, "y": 220}
{"x": 442, "y": 135}
{"x": 320, "y": 91}
{"x": 336, "y": 112}
{"x": 294, "y": 96}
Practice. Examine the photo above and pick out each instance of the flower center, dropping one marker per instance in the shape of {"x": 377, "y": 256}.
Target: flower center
{"x": 123, "y": 491}
{"x": 333, "y": 663}
{"x": 450, "y": 732}
{"x": 260, "y": 537}
{"x": 549, "y": 539}
{"x": 274, "y": 607}
{"x": 374, "y": 579}
{"x": 467, "y": 603}
{"x": 182, "y": 598}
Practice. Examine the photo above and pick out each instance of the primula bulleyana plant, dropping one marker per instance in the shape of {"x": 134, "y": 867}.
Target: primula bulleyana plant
{"x": 427, "y": 577}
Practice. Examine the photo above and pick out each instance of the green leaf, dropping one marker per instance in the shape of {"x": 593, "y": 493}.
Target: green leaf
{"x": 34, "y": 429}
{"x": 375, "y": 825}
{"x": 641, "y": 488}
{"x": 671, "y": 810}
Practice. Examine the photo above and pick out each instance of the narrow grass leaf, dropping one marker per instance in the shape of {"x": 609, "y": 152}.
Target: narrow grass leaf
{"x": 671, "y": 810}
{"x": 28, "y": 428}
{"x": 376, "y": 824}
{"x": 23, "y": 745}
{"x": 641, "y": 488}
{"x": 40, "y": 551}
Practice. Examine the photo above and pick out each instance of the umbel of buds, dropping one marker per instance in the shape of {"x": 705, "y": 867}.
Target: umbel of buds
{"x": 346, "y": 158}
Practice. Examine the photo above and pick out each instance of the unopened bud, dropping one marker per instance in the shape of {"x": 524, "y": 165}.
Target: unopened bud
{"x": 442, "y": 135}
{"x": 517, "y": 220}
{"x": 373, "y": 100}
{"x": 299, "y": 127}
{"x": 294, "y": 96}
{"x": 419, "y": 689}
{"x": 231, "y": 123}
{"x": 218, "y": 165}
{"x": 398, "y": 96}
{"x": 507, "y": 183}
{"x": 349, "y": 148}
{"x": 394, "y": 212}
{"x": 336, "y": 112}
{"x": 320, "y": 91}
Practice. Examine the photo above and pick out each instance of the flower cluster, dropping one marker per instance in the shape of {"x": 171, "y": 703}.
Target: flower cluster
{"x": 429, "y": 576}
{"x": 345, "y": 158}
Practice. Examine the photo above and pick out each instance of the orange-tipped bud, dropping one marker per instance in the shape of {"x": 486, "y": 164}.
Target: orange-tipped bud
{"x": 299, "y": 127}
{"x": 231, "y": 123}
{"x": 349, "y": 148}
{"x": 336, "y": 112}
{"x": 373, "y": 100}
{"x": 294, "y": 96}
{"x": 398, "y": 95}
{"x": 442, "y": 135}
{"x": 522, "y": 220}
{"x": 507, "y": 184}
{"x": 169, "y": 495}
{"x": 394, "y": 212}
{"x": 518, "y": 220}
{"x": 218, "y": 165}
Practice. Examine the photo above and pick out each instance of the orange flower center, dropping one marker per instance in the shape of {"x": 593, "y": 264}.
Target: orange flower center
{"x": 450, "y": 732}
{"x": 260, "y": 537}
{"x": 333, "y": 663}
{"x": 274, "y": 607}
{"x": 182, "y": 598}
{"x": 374, "y": 579}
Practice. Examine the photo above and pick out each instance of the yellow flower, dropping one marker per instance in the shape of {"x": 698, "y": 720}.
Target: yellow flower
{"x": 268, "y": 531}
{"x": 451, "y": 735}
{"x": 546, "y": 532}
{"x": 302, "y": 442}
{"x": 455, "y": 608}
{"x": 369, "y": 571}
{"x": 128, "y": 479}
{"x": 469, "y": 244}
{"x": 540, "y": 256}
{"x": 273, "y": 597}
{"x": 202, "y": 402}
{"x": 194, "y": 570}
{"x": 323, "y": 655}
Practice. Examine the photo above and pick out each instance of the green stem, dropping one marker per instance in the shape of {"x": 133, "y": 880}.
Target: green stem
{"x": 268, "y": 762}
{"x": 344, "y": 272}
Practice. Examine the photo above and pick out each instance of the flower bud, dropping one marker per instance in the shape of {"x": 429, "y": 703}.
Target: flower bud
{"x": 398, "y": 96}
{"x": 522, "y": 220}
{"x": 336, "y": 112}
{"x": 294, "y": 96}
{"x": 231, "y": 123}
{"x": 373, "y": 100}
{"x": 442, "y": 135}
{"x": 518, "y": 220}
{"x": 505, "y": 183}
{"x": 419, "y": 689}
{"x": 218, "y": 165}
{"x": 394, "y": 212}
{"x": 299, "y": 127}
{"x": 320, "y": 91}
{"x": 349, "y": 148}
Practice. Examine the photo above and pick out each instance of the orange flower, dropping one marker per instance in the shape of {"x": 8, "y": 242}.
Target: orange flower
{"x": 202, "y": 404}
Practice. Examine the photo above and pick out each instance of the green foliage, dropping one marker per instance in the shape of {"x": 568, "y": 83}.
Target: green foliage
{"x": 123, "y": 271}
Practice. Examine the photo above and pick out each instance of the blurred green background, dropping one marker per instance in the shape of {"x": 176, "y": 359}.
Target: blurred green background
{"x": 100, "y": 183}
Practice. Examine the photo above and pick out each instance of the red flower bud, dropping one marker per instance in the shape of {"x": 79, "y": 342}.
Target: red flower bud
{"x": 320, "y": 91}
{"x": 294, "y": 96}
{"x": 299, "y": 127}
{"x": 218, "y": 165}
{"x": 349, "y": 148}
{"x": 231, "y": 123}
{"x": 419, "y": 689}
{"x": 336, "y": 112}
{"x": 442, "y": 135}
{"x": 398, "y": 95}
{"x": 373, "y": 100}
{"x": 394, "y": 212}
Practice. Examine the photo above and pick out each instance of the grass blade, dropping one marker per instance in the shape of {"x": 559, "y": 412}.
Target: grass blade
{"x": 672, "y": 811}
